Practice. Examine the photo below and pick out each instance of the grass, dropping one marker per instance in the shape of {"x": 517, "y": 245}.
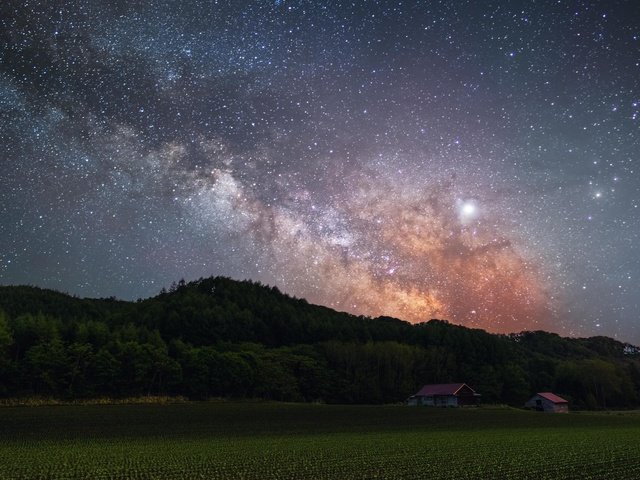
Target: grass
{"x": 281, "y": 441}
{"x": 49, "y": 401}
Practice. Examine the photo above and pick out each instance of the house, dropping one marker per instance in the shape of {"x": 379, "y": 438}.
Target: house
{"x": 548, "y": 402}
{"x": 445, "y": 395}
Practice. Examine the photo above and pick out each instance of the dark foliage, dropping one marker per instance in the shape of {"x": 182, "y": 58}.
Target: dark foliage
{"x": 217, "y": 337}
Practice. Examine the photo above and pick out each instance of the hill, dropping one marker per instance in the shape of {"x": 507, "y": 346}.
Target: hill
{"x": 220, "y": 337}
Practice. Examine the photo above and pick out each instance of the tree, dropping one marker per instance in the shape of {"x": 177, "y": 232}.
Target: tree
{"x": 6, "y": 337}
{"x": 592, "y": 382}
{"x": 47, "y": 367}
{"x": 80, "y": 356}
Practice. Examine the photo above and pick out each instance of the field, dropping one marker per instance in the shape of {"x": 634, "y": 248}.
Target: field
{"x": 282, "y": 441}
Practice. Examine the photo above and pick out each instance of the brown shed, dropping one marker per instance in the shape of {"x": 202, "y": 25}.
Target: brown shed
{"x": 444, "y": 395}
{"x": 548, "y": 402}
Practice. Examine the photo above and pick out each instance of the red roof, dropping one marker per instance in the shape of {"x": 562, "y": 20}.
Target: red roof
{"x": 441, "y": 389}
{"x": 552, "y": 397}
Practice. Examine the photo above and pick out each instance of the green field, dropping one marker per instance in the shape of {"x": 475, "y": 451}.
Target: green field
{"x": 264, "y": 441}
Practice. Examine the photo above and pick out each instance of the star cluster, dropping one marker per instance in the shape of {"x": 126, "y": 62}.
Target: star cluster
{"x": 473, "y": 161}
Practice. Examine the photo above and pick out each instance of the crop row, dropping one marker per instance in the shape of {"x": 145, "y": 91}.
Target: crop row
{"x": 526, "y": 453}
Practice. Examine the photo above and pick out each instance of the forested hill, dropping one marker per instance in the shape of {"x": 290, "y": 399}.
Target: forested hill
{"x": 224, "y": 338}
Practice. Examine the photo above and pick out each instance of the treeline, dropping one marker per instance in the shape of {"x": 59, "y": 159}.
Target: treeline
{"x": 217, "y": 337}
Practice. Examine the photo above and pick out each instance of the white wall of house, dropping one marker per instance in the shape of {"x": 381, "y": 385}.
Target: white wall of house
{"x": 430, "y": 401}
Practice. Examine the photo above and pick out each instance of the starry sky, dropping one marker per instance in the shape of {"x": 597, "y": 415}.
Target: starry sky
{"x": 475, "y": 161}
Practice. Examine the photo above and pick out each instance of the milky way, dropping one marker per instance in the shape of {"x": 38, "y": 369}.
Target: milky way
{"x": 471, "y": 161}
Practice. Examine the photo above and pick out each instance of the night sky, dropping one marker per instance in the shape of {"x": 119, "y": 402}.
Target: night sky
{"x": 475, "y": 161}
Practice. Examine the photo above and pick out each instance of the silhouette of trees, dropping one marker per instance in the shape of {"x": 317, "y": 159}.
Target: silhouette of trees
{"x": 216, "y": 337}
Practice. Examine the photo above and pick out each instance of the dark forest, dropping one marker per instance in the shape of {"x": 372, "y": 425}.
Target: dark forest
{"x": 217, "y": 337}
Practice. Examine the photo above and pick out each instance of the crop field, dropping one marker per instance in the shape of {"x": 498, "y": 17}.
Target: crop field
{"x": 282, "y": 441}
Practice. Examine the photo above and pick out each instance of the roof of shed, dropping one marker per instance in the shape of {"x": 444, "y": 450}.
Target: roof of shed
{"x": 552, "y": 397}
{"x": 442, "y": 389}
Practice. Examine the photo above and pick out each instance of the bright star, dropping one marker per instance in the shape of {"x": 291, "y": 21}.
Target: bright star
{"x": 467, "y": 210}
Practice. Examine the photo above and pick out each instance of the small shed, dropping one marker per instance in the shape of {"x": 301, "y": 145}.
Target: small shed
{"x": 444, "y": 395}
{"x": 548, "y": 402}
